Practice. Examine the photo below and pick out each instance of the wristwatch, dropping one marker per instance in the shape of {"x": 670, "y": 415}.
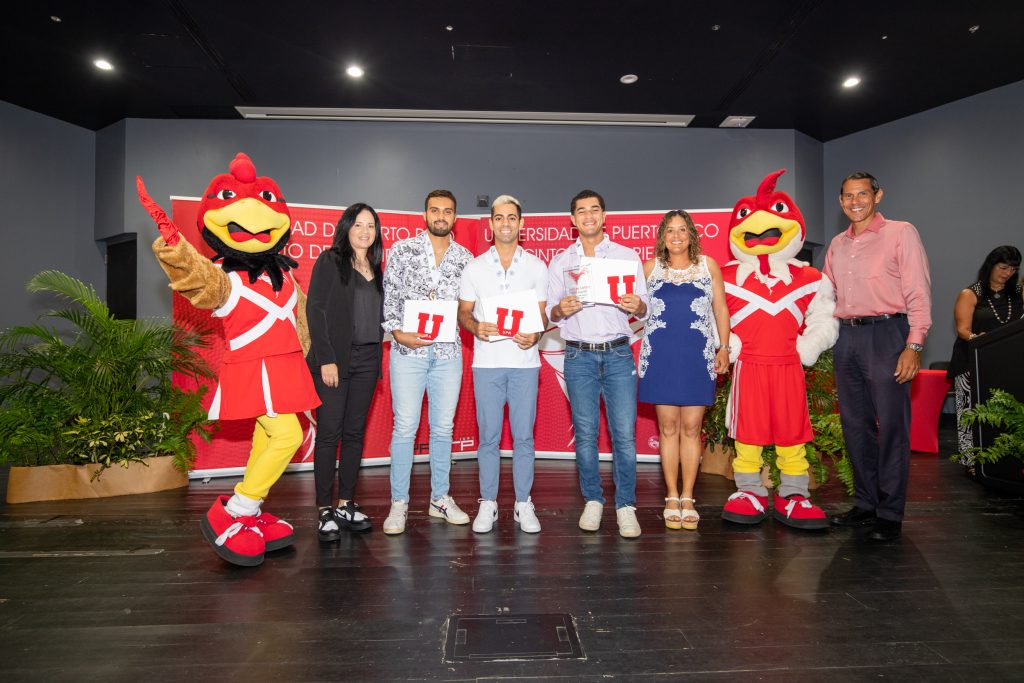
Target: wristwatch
{"x": 915, "y": 347}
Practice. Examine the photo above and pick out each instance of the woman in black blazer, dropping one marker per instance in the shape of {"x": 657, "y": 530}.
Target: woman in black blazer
{"x": 345, "y": 312}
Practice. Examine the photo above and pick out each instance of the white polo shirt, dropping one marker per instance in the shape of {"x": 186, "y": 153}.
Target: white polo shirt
{"x": 483, "y": 278}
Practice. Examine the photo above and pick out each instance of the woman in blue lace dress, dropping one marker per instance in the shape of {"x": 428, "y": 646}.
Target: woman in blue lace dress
{"x": 686, "y": 344}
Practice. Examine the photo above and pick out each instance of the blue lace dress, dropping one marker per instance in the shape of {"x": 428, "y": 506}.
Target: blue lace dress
{"x": 677, "y": 357}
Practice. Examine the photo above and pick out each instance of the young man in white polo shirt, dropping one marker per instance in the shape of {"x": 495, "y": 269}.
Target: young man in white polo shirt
{"x": 504, "y": 370}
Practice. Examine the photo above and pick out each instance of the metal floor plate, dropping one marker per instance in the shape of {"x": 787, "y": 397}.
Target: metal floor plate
{"x": 484, "y": 638}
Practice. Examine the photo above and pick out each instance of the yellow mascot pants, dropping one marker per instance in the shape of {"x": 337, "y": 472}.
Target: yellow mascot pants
{"x": 274, "y": 442}
{"x": 792, "y": 460}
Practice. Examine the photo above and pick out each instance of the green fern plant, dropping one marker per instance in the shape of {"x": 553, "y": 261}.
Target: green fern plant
{"x": 1004, "y": 412}
{"x": 97, "y": 389}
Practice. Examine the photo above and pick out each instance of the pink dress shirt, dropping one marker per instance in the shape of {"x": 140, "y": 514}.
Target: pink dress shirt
{"x": 882, "y": 270}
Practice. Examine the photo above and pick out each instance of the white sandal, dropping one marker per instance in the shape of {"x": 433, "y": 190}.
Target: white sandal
{"x": 689, "y": 518}
{"x": 670, "y": 513}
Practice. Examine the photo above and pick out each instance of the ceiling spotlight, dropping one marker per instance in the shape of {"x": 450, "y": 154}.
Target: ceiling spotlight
{"x": 974, "y": 29}
{"x": 851, "y": 82}
{"x": 449, "y": 27}
{"x": 355, "y": 71}
{"x": 736, "y": 121}
{"x": 885, "y": 37}
{"x": 716, "y": 27}
{"x": 55, "y": 19}
{"x": 629, "y": 79}
{"x": 103, "y": 64}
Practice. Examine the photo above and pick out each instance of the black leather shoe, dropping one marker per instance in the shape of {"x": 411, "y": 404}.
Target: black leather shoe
{"x": 855, "y": 516}
{"x": 885, "y": 530}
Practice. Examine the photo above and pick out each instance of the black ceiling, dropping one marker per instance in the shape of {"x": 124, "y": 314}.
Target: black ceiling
{"x": 782, "y": 62}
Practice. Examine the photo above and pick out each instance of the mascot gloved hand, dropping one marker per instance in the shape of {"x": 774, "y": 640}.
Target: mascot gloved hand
{"x": 780, "y": 313}
{"x": 246, "y": 222}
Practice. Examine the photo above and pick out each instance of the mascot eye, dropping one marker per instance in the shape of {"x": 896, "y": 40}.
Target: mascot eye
{"x": 226, "y": 194}
{"x": 743, "y": 213}
{"x": 780, "y": 207}
{"x": 269, "y": 196}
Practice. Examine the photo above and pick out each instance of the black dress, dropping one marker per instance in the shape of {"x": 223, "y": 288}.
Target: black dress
{"x": 994, "y": 309}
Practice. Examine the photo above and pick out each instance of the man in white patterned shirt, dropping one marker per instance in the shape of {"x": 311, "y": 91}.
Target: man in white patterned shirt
{"x": 427, "y": 266}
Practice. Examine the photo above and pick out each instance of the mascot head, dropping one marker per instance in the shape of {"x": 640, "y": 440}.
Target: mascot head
{"x": 245, "y": 220}
{"x": 767, "y": 227}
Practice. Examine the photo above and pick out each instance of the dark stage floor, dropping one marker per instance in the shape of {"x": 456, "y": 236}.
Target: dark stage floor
{"x": 125, "y": 589}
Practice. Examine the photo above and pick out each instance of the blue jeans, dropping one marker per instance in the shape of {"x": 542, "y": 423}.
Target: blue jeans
{"x": 612, "y": 374}
{"x": 494, "y": 387}
{"x": 442, "y": 380}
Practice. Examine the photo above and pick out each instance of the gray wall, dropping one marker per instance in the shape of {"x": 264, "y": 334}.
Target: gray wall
{"x": 956, "y": 173}
{"x": 47, "y": 171}
{"x": 394, "y": 165}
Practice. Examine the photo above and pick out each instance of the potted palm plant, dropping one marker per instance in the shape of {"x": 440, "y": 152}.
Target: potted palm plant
{"x": 90, "y": 392}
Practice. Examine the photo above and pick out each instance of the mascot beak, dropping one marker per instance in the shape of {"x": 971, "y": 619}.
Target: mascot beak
{"x": 247, "y": 225}
{"x": 763, "y": 232}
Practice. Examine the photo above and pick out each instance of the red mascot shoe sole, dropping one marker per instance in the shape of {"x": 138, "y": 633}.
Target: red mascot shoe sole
{"x": 799, "y": 513}
{"x": 237, "y": 540}
{"x": 277, "y": 533}
{"x": 745, "y": 508}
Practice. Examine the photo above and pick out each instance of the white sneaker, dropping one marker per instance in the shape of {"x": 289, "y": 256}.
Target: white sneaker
{"x": 526, "y": 517}
{"x": 629, "y": 527}
{"x": 590, "y": 520}
{"x": 486, "y": 517}
{"x": 395, "y": 523}
{"x": 446, "y": 509}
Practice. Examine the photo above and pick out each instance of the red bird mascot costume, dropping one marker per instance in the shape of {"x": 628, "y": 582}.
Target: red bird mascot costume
{"x": 780, "y": 312}
{"x": 246, "y": 222}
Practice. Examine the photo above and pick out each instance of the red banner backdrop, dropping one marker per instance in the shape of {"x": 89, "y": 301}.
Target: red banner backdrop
{"x": 545, "y": 235}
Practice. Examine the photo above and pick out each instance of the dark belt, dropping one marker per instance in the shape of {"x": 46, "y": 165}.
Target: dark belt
{"x": 598, "y": 346}
{"x": 870, "y": 319}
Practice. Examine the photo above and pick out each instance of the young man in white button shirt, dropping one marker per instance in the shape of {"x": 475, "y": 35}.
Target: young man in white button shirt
{"x": 505, "y": 371}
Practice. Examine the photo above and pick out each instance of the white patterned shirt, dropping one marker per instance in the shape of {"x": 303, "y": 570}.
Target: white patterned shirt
{"x": 411, "y": 274}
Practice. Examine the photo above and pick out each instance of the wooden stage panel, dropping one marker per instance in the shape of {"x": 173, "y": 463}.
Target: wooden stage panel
{"x": 125, "y": 589}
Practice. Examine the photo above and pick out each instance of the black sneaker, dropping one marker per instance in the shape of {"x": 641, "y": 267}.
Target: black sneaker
{"x": 327, "y": 528}
{"x": 350, "y": 517}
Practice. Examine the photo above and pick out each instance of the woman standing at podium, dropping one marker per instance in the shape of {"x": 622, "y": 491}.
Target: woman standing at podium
{"x": 992, "y": 301}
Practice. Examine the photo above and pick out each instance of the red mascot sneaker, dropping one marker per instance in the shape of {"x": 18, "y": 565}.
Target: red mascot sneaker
{"x": 799, "y": 512}
{"x": 236, "y": 539}
{"x": 744, "y": 507}
{"x": 277, "y": 533}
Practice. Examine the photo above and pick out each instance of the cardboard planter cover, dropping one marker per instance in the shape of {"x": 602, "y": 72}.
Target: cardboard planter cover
{"x": 58, "y": 482}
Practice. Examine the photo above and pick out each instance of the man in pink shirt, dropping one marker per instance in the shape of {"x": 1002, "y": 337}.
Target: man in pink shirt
{"x": 883, "y": 302}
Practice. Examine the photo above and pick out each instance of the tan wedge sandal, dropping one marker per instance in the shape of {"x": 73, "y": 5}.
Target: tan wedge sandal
{"x": 673, "y": 518}
{"x": 689, "y": 519}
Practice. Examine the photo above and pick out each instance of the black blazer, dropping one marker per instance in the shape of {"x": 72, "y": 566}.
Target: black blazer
{"x": 329, "y": 314}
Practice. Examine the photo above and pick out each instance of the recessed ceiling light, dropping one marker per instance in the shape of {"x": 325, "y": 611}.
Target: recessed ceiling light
{"x": 885, "y": 37}
{"x": 851, "y": 82}
{"x": 736, "y": 121}
{"x": 449, "y": 27}
{"x": 974, "y": 29}
{"x": 629, "y": 79}
{"x": 103, "y": 64}
{"x": 55, "y": 19}
{"x": 355, "y": 71}
{"x": 716, "y": 27}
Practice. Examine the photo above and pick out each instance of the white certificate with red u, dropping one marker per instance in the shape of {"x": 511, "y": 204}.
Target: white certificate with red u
{"x": 432, "y": 319}
{"x": 514, "y": 313}
{"x": 607, "y": 279}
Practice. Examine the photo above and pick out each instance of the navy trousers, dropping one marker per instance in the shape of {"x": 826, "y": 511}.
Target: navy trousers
{"x": 875, "y": 413}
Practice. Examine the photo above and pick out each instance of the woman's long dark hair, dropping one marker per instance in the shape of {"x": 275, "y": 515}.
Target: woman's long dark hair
{"x": 1007, "y": 254}
{"x": 341, "y": 249}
